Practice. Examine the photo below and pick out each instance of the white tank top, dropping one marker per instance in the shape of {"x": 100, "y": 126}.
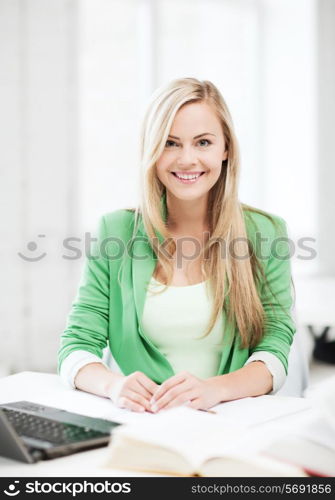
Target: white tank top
{"x": 175, "y": 319}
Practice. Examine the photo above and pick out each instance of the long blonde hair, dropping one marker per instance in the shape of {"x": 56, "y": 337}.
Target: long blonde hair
{"x": 233, "y": 282}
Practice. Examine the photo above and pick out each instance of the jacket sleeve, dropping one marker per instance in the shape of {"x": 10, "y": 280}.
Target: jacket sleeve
{"x": 276, "y": 297}
{"x": 87, "y": 323}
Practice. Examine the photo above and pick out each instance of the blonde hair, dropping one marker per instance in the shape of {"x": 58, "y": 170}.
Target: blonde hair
{"x": 232, "y": 281}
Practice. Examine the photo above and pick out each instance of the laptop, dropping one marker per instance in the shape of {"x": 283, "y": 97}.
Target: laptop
{"x": 30, "y": 432}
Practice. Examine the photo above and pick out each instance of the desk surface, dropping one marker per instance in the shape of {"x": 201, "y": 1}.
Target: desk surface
{"x": 48, "y": 389}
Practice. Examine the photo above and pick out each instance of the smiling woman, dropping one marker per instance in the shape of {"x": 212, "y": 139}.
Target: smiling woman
{"x": 223, "y": 328}
{"x": 193, "y": 159}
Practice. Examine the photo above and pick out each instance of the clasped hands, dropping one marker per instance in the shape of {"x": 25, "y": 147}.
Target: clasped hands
{"x": 139, "y": 393}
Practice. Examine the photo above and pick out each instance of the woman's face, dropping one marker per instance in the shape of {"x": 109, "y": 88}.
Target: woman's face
{"x": 192, "y": 158}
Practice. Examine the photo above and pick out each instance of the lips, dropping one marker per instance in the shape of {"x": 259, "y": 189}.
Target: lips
{"x": 179, "y": 174}
{"x": 189, "y": 173}
{"x": 197, "y": 176}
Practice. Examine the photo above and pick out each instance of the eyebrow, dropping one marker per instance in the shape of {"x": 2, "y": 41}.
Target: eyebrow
{"x": 196, "y": 137}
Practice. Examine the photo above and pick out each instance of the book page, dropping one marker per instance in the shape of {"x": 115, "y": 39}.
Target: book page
{"x": 125, "y": 416}
{"x": 307, "y": 454}
{"x": 250, "y": 465}
{"x": 307, "y": 441}
{"x": 252, "y": 411}
{"x": 316, "y": 429}
{"x": 194, "y": 435}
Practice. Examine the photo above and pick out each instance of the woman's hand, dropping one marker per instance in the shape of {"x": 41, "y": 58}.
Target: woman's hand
{"x": 133, "y": 391}
{"x": 186, "y": 388}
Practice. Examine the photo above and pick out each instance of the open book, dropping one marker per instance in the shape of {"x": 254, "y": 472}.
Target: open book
{"x": 186, "y": 442}
{"x": 311, "y": 444}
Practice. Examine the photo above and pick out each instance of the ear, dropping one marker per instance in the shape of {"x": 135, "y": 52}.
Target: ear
{"x": 225, "y": 155}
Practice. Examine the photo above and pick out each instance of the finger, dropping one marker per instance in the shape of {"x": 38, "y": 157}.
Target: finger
{"x": 146, "y": 390}
{"x": 195, "y": 404}
{"x": 147, "y": 383}
{"x": 181, "y": 400}
{"x": 140, "y": 389}
{"x": 175, "y": 397}
{"x": 169, "y": 384}
{"x": 128, "y": 404}
{"x": 183, "y": 386}
{"x": 172, "y": 393}
{"x": 137, "y": 398}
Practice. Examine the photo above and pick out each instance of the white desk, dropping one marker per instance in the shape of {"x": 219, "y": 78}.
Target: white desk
{"x": 48, "y": 389}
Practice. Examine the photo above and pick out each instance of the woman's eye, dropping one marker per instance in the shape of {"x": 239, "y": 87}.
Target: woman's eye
{"x": 204, "y": 142}
{"x": 169, "y": 144}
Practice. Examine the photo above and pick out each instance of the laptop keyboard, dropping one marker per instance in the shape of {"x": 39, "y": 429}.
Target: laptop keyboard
{"x": 58, "y": 433}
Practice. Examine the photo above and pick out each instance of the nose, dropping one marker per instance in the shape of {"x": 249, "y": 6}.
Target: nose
{"x": 186, "y": 156}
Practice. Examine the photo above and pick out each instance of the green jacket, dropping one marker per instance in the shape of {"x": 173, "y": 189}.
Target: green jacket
{"x": 105, "y": 313}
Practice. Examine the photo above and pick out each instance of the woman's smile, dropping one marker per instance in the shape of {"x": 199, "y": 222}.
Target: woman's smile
{"x": 187, "y": 178}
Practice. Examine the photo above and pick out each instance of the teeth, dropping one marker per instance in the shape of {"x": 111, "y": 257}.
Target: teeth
{"x": 183, "y": 176}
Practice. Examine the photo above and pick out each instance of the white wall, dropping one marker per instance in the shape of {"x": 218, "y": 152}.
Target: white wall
{"x": 38, "y": 125}
{"x": 289, "y": 118}
{"x": 325, "y": 136}
{"x": 109, "y": 93}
